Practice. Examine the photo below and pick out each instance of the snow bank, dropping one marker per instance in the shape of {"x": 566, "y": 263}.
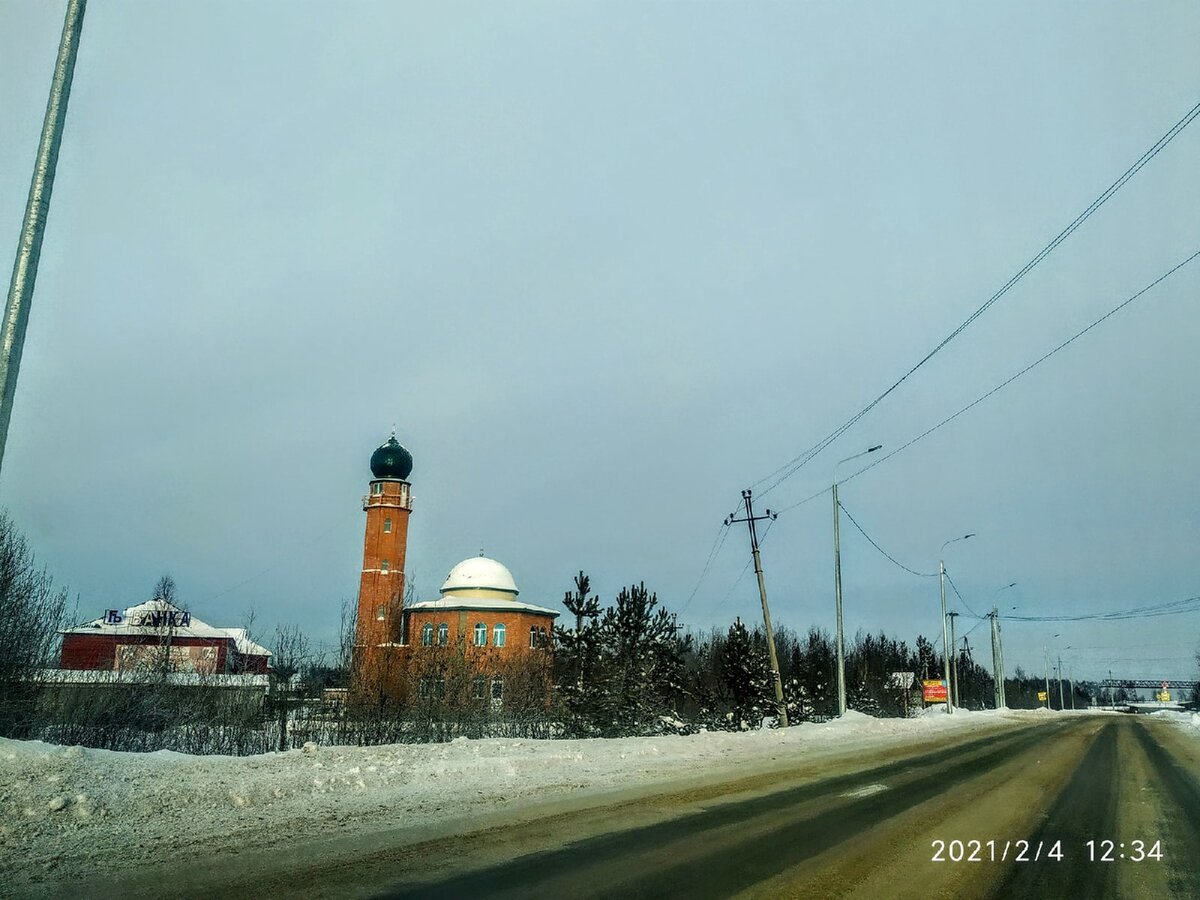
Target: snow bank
{"x": 60, "y": 806}
{"x": 1189, "y": 721}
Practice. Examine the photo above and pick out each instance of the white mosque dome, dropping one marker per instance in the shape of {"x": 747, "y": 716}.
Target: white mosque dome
{"x": 480, "y": 574}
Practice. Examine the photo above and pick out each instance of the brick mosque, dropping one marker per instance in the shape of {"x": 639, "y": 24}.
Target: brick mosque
{"x": 466, "y": 646}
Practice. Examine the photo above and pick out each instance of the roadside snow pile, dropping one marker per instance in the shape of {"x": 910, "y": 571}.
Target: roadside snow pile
{"x": 1189, "y": 721}
{"x": 62, "y": 805}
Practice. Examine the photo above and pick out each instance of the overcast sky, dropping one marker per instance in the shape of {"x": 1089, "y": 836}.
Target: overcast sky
{"x": 604, "y": 265}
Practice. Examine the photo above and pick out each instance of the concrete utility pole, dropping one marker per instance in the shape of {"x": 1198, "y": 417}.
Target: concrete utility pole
{"x": 29, "y": 245}
{"x": 954, "y": 665}
{"x": 1061, "y": 703}
{"x": 837, "y": 583}
{"x": 1046, "y": 653}
{"x": 995, "y": 661}
{"x": 762, "y": 594}
{"x": 1071, "y": 678}
{"x": 1000, "y": 647}
{"x": 946, "y": 648}
{"x": 1003, "y": 701}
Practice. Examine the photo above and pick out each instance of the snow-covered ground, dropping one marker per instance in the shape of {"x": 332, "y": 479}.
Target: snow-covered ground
{"x": 64, "y": 807}
{"x": 1189, "y": 721}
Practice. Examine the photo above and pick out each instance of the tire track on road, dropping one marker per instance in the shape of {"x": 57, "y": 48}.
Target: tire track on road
{"x": 1180, "y": 816}
{"x": 1085, "y": 810}
{"x": 727, "y": 848}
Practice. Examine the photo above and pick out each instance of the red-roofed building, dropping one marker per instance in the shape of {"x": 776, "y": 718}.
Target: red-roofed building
{"x": 157, "y": 631}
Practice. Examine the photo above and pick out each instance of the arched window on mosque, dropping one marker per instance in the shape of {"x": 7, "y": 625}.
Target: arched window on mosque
{"x": 498, "y": 634}
{"x": 480, "y": 634}
{"x": 443, "y": 634}
{"x": 427, "y": 635}
{"x": 479, "y": 687}
{"x": 533, "y": 636}
{"x": 497, "y": 688}
{"x": 543, "y": 638}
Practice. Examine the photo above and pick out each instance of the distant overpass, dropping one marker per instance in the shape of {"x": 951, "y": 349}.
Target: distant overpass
{"x": 1150, "y": 684}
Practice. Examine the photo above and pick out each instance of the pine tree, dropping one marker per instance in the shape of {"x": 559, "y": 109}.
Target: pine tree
{"x": 746, "y": 673}
{"x": 577, "y": 656}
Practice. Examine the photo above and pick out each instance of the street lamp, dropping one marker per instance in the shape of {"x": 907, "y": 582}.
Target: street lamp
{"x": 945, "y": 646}
{"x": 837, "y": 582}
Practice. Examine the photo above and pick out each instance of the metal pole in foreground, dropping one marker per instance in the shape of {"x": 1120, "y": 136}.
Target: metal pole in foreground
{"x": 762, "y": 594}
{"x": 29, "y": 246}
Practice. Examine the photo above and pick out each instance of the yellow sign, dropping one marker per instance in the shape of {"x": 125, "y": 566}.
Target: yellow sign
{"x": 1164, "y": 696}
{"x": 1042, "y": 696}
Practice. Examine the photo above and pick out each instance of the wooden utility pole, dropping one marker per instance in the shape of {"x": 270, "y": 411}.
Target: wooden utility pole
{"x": 750, "y": 519}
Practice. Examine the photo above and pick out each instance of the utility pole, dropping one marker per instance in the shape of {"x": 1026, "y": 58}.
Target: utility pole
{"x": 945, "y": 651}
{"x": 954, "y": 665}
{"x": 995, "y": 660}
{"x": 762, "y": 594}
{"x": 1061, "y": 703}
{"x": 1046, "y": 653}
{"x": 33, "y": 227}
{"x": 1000, "y": 648}
{"x": 837, "y": 582}
{"x": 946, "y": 648}
{"x": 1071, "y": 678}
{"x": 837, "y": 588}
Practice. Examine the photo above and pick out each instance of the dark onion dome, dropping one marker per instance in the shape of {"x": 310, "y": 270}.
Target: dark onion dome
{"x": 391, "y": 460}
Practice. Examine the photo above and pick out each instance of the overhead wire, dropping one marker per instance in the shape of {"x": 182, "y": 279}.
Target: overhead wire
{"x": 873, "y": 543}
{"x": 960, "y": 597}
{"x": 781, "y": 474}
{"x": 1012, "y": 378}
{"x": 1170, "y": 608}
{"x": 713, "y": 552}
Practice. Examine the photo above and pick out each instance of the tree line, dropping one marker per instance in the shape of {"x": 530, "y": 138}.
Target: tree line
{"x": 619, "y": 668}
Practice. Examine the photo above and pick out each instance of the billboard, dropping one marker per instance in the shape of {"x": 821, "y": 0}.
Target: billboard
{"x": 934, "y": 691}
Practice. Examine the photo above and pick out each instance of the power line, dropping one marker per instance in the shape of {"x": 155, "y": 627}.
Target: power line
{"x": 881, "y": 550}
{"x": 1011, "y": 379}
{"x": 960, "y": 597}
{"x": 718, "y": 543}
{"x": 790, "y": 468}
{"x": 1170, "y": 608}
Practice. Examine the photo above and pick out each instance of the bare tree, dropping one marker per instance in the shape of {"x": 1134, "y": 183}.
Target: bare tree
{"x": 164, "y": 588}
{"x": 31, "y": 613}
{"x": 291, "y": 652}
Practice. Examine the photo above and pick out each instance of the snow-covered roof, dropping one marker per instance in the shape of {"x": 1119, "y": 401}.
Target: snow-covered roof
{"x": 160, "y": 617}
{"x": 480, "y": 603}
{"x": 134, "y": 676}
{"x": 245, "y": 646}
{"x": 480, "y": 573}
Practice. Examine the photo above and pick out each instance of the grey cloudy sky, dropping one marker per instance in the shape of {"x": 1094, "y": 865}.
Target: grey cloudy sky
{"x": 604, "y": 265}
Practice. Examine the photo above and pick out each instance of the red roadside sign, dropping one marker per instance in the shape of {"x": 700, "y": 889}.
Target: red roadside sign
{"x": 933, "y": 691}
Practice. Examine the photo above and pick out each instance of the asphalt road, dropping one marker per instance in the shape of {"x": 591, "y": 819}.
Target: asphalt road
{"x": 1009, "y": 815}
{"x": 1052, "y": 810}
